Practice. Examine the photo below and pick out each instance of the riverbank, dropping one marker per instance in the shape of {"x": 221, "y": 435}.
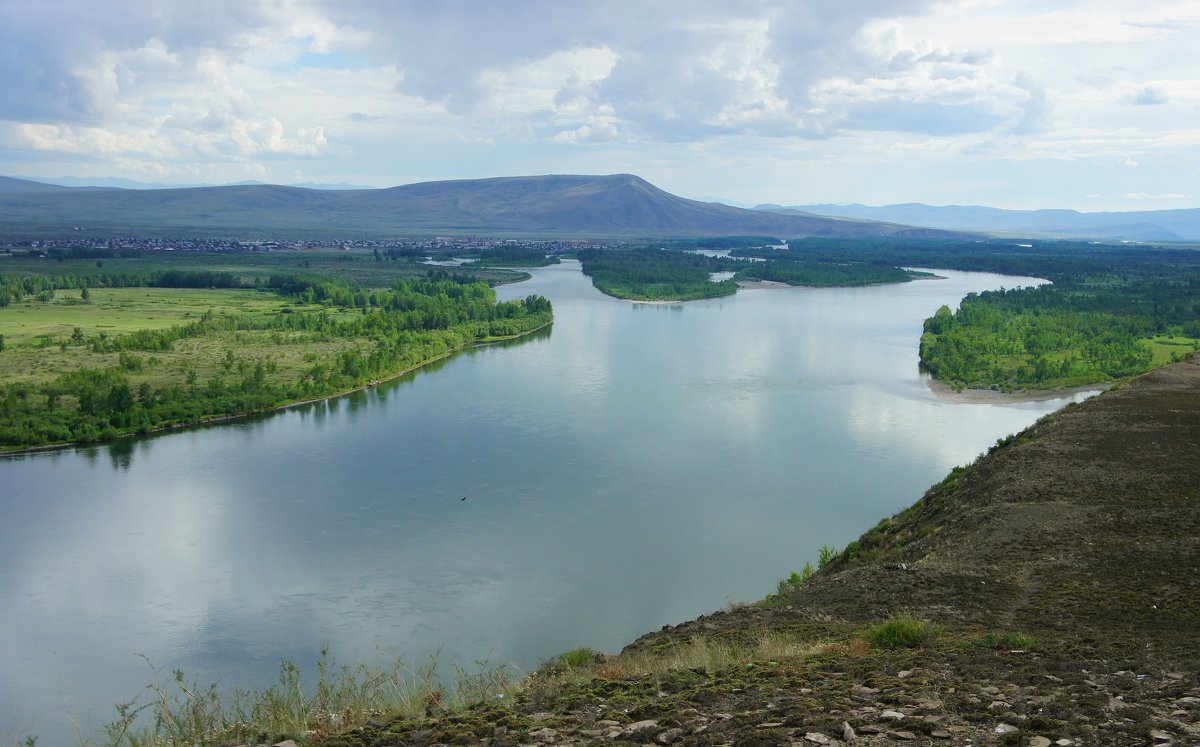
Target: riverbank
{"x": 215, "y": 420}
{"x": 1047, "y": 594}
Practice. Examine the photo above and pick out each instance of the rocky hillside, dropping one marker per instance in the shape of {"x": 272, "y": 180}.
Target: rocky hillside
{"x": 1048, "y": 594}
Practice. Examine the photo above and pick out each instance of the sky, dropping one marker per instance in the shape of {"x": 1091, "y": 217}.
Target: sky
{"x": 1084, "y": 104}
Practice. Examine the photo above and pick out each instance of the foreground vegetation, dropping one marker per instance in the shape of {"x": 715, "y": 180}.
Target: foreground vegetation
{"x": 82, "y": 360}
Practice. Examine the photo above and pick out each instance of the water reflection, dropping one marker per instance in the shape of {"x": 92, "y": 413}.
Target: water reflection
{"x": 121, "y": 453}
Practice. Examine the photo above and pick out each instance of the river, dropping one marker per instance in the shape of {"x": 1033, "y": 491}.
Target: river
{"x": 632, "y": 466}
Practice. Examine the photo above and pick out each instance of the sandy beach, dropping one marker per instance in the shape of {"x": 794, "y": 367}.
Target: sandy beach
{"x": 991, "y": 396}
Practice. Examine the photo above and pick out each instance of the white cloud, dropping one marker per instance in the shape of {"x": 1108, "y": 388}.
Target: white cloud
{"x": 602, "y": 132}
{"x": 370, "y": 91}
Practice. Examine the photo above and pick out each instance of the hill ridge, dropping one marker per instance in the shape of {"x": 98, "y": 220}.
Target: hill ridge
{"x": 608, "y": 205}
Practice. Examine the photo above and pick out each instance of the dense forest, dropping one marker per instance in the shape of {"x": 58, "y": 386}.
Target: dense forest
{"x": 516, "y": 256}
{"x": 657, "y": 275}
{"x": 357, "y": 336}
{"x": 824, "y": 274}
{"x": 1111, "y": 312}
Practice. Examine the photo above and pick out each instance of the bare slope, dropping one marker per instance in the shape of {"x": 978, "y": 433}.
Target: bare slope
{"x": 615, "y": 205}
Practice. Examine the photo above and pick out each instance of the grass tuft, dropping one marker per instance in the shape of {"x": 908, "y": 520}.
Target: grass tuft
{"x": 174, "y": 711}
{"x": 902, "y": 631}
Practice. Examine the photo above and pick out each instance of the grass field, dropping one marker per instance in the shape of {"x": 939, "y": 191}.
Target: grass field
{"x": 1168, "y": 349}
{"x": 120, "y": 310}
{"x": 34, "y": 334}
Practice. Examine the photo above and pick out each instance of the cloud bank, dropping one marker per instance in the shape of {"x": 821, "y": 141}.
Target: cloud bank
{"x": 358, "y": 90}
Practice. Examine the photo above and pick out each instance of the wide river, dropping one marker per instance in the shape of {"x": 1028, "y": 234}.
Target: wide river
{"x": 633, "y": 466}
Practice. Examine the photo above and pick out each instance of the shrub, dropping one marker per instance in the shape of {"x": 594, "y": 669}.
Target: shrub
{"x": 827, "y": 554}
{"x": 902, "y": 631}
{"x": 577, "y": 657}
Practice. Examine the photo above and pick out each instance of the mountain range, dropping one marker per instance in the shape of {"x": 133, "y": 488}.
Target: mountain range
{"x": 1151, "y": 225}
{"x": 583, "y": 206}
{"x": 616, "y": 205}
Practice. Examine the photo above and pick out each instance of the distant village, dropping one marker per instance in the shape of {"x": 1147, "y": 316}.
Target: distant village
{"x": 431, "y": 246}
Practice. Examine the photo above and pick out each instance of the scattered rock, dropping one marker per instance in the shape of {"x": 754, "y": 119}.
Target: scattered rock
{"x": 904, "y": 736}
{"x": 1158, "y": 736}
{"x": 640, "y": 726}
{"x": 939, "y": 734}
{"x": 894, "y": 715}
{"x": 817, "y": 737}
{"x": 544, "y": 735}
{"x": 286, "y": 743}
{"x": 770, "y": 725}
{"x": 1038, "y": 742}
{"x": 1005, "y": 728}
{"x": 669, "y": 736}
{"x": 848, "y": 731}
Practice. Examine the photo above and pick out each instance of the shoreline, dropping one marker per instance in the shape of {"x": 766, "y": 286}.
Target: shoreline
{"x": 217, "y": 419}
{"x": 946, "y": 393}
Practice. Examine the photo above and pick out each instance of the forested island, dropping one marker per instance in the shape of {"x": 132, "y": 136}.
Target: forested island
{"x": 657, "y": 275}
{"x": 118, "y": 349}
{"x": 1111, "y": 311}
{"x": 678, "y": 272}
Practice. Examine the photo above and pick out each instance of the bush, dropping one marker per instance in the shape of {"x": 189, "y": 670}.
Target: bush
{"x": 827, "y": 554}
{"x": 902, "y": 631}
{"x": 577, "y": 657}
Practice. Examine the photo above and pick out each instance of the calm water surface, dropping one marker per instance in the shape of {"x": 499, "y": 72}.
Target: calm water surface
{"x": 634, "y": 466}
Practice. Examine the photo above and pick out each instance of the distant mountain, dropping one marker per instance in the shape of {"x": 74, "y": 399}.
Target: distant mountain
{"x": 9, "y": 185}
{"x": 1152, "y": 225}
{"x": 615, "y": 205}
